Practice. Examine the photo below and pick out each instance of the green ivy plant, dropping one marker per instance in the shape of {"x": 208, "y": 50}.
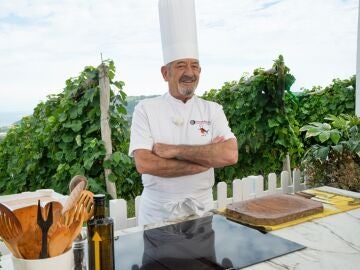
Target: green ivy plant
{"x": 62, "y": 138}
{"x": 266, "y": 129}
{"x": 334, "y": 155}
{"x": 337, "y": 98}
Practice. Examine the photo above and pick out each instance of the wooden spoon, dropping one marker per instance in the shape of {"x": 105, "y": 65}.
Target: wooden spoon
{"x": 10, "y": 230}
{"x": 73, "y": 197}
{"x": 30, "y": 244}
{"x": 27, "y": 217}
{"x": 76, "y": 180}
{"x": 63, "y": 234}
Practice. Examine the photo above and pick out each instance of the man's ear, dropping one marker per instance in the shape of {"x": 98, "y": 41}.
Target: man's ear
{"x": 165, "y": 73}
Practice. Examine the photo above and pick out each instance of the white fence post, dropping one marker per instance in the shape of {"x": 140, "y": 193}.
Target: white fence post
{"x": 259, "y": 186}
{"x": 247, "y": 188}
{"x": 272, "y": 179}
{"x": 118, "y": 210}
{"x": 237, "y": 190}
{"x": 137, "y": 204}
{"x": 284, "y": 177}
{"x": 221, "y": 195}
{"x": 296, "y": 179}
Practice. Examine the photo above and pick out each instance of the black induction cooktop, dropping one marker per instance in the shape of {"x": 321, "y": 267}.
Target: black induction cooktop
{"x": 211, "y": 242}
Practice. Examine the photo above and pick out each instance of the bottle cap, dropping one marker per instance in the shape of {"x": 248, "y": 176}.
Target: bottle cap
{"x": 99, "y": 199}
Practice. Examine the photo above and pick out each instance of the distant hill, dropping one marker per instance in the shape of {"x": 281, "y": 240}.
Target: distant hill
{"x": 9, "y": 118}
{"x": 133, "y": 100}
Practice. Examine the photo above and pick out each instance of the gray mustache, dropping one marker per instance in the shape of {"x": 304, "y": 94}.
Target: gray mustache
{"x": 187, "y": 78}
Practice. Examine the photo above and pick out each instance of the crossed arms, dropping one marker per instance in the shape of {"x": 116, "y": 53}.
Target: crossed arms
{"x": 166, "y": 160}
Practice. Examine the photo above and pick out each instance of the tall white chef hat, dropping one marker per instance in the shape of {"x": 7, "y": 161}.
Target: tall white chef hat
{"x": 178, "y": 29}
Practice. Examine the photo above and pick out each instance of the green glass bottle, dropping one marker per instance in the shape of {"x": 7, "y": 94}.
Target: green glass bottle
{"x": 100, "y": 231}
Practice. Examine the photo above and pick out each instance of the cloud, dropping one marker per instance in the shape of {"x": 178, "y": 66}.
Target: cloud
{"x": 45, "y": 43}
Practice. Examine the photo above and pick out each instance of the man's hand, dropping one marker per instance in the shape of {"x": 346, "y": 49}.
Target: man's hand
{"x": 165, "y": 150}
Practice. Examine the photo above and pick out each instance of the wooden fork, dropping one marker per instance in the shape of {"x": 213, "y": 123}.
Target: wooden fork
{"x": 83, "y": 205}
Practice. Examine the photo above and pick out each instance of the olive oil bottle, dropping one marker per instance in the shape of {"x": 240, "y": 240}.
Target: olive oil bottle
{"x": 100, "y": 231}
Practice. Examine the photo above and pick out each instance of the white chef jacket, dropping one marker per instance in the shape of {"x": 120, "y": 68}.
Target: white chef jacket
{"x": 165, "y": 119}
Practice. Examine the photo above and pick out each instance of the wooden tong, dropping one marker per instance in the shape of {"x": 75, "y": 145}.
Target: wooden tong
{"x": 45, "y": 226}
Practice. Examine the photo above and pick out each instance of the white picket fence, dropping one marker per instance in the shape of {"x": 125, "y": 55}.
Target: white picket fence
{"x": 243, "y": 189}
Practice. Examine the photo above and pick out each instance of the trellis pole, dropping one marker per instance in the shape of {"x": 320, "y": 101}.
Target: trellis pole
{"x": 357, "y": 90}
{"x": 104, "y": 84}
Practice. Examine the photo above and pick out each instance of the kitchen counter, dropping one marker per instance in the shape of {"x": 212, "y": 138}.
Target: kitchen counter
{"x": 332, "y": 242}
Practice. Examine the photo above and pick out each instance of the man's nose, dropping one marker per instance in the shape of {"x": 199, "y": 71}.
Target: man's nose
{"x": 189, "y": 71}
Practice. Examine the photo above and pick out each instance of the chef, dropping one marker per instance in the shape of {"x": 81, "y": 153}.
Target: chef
{"x": 178, "y": 139}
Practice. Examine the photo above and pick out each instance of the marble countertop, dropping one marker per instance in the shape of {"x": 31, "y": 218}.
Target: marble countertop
{"x": 332, "y": 242}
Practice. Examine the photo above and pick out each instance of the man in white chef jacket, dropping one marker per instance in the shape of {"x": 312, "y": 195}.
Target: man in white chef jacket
{"x": 178, "y": 139}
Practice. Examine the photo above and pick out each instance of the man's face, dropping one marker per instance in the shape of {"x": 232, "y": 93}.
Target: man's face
{"x": 183, "y": 77}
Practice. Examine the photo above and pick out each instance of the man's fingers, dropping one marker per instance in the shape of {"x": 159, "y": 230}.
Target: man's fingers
{"x": 164, "y": 150}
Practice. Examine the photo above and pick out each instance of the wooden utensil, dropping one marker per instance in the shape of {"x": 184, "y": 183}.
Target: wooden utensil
{"x": 30, "y": 244}
{"x": 27, "y": 217}
{"x": 45, "y": 226}
{"x": 76, "y": 180}
{"x": 73, "y": 197}
{"x": 62, "y": 237}
{"x": 84, "y": 204}
{"x": 10, "y": 230}
{"x": 87, "y": 201}
{"x": 84, "y": 210}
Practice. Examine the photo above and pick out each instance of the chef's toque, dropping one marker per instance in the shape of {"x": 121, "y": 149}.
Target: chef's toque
{"x": 178, "y": 29}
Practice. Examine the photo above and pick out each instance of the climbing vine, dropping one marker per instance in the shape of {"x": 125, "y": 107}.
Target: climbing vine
{"x": 62, "y": 138}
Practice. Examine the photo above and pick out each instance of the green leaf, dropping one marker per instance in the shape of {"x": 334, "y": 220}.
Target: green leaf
{"x": 323, "y": 153}
{"x": 78, "y": 139}
{"x": 312, "y": 132}
{"x": 338, "y": 148}
{"x": 94, "y": 127}
{"x": 88, "y": 163}
{"x": 273, "y": 123}
{"x": 324, "y": 136}
{"x": 62, "y": 117}
{"x": 76, "y": 125}
{"x": 121, "y": 109}
{"x": 130, "y": 181}
{"x": 66, "y": 137}
{"x": 112, "y": 177}
{"x": 107, "y": 164}
{"x": 335, "y": 136}
{"x": 119, "y": 84}
{"x": 117, "y": 156}
{"x": 51, "y": 119}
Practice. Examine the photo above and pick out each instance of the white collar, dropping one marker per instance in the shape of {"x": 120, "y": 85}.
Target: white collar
{"x": 173, "y": 100}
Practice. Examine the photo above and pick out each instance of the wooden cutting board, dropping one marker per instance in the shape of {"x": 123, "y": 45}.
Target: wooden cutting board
{"x": 273, "y": 209}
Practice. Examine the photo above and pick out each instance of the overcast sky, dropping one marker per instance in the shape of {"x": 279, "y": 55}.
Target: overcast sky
{"x": 43, "y": 43}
